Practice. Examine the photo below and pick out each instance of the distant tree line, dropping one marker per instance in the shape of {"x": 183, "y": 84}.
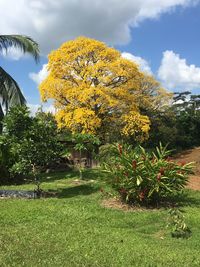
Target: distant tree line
{"x": 179, "y": 124}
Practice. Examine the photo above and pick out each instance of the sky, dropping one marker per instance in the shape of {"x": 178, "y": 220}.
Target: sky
{"x": 162, "y": 36}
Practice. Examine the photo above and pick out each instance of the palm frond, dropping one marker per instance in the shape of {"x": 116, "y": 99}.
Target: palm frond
{"x": 1, "y": 115}
{"x": 1, "y": 118}
{"x": 10, "y": 92}
{"x": 22, "y": 42}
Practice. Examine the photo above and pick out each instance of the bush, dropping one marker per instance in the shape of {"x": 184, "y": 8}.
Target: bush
{"x": 145, "y": 177}
{"x": 27, "y": 142}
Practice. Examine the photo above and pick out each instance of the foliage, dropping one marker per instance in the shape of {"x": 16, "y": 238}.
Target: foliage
{"x": 154, "y": 101}
{"x": 29, "y": 141}
{"x": 85, "y": 141}
{"x": 186, "y": 107}
{"x": 106, "y": 152}
{"x": 152, "y": 97}
{"x": 163, "y": 129}
{"x": 95, "y": 90}
{"x": 178, "y": 124}
{"x": 145, "y": 177}
{"x": 4, "y": 159}
{"x": 178, "y": 225}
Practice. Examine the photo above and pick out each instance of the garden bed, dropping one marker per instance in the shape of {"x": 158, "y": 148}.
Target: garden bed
{"x": 18, "y": 194}
{"x": 25, "y": 194}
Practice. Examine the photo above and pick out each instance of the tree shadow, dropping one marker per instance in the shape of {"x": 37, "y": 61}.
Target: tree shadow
{"x": 187, "y": 199}
{"x": 50, "y": 177}
{"x": 190, "y": 201}
{"x": 70, "y": 192}
{"x": 17, "y": 180}
{"x": 87, "y": 174}
{"x": 43, "y": 177}
{"x": 93, "y": 174}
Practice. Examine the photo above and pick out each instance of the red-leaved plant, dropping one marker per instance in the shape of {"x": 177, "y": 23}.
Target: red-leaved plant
{"x": 145, "y": 177}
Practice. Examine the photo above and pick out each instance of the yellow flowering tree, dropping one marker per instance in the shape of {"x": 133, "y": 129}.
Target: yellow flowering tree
{"x": 152, "y": 96}
{"x": 94, "y": 89}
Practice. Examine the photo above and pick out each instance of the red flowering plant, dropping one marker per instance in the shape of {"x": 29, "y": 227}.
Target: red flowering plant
{"x": 144, "y": 177}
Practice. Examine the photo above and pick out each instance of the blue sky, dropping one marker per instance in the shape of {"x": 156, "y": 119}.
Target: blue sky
{"x": 163, "y": 38}
{"x": 177, "y": 31}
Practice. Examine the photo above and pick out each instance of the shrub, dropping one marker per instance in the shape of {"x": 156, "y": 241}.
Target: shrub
{"x": 145, "y": 177}
{"x": 28, "y": 142}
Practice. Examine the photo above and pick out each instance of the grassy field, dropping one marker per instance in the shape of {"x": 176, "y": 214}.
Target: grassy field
{"x": 74, "y": 229}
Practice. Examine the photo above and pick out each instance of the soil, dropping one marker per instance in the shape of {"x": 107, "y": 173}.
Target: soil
{"x": 116, "y": 203}
{"x": 191, "y": 155}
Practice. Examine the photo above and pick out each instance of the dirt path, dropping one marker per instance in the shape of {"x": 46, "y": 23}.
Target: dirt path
{"x": 188, "y": 156}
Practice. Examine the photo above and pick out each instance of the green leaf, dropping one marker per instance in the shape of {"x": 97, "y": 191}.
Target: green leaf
{"x": 139, "y": 180}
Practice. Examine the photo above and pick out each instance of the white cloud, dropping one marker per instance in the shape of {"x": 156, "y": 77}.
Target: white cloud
{"x": 45, "y": 107}
{"x": 143, "y": 64}
{"x": 49, "y": 108}
{"x": 52, "y": 22}
{"x": 33, "y": 108}
{"x": 13, "y": 53}
{"x": 40, "y": 76}
{"x": 175, "y": 73}
{"x": 154, "y": 8}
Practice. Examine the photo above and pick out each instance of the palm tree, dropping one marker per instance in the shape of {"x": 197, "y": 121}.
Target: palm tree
{"x": 10, "y": 93}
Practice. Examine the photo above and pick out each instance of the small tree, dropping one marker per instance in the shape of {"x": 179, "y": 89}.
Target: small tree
{"x": 31, "y": 141}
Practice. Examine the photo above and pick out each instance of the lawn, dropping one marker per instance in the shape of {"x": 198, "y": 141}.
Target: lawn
{"x": 74, "y": 229}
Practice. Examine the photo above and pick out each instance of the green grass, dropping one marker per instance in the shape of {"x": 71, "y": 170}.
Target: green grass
{"x": 74, "y": 229}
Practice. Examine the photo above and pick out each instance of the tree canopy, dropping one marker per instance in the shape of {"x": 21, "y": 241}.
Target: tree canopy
{"x": 94, "y": 89}
{"x": 28, "y": 141}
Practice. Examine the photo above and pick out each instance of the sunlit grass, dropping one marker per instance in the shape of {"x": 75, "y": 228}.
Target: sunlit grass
{"x": 74, "y": 229}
